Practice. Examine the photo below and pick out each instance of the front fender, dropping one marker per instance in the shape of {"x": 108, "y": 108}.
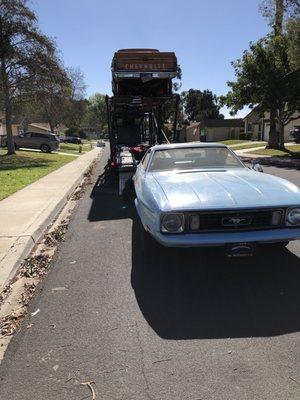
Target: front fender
{"x": 149, "y": 218}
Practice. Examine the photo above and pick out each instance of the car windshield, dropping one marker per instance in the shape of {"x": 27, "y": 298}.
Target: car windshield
{"x": 194, "y": 158}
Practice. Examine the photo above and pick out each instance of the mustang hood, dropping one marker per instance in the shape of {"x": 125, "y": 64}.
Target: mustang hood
{"x": 239, "y": 188}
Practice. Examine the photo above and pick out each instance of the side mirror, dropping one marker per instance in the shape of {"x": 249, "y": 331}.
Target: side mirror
{"x": 255, "y": 165}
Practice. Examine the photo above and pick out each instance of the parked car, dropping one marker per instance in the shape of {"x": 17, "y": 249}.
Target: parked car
{"x": 201, "y": 194}
{"x": 295, "y": 133}
{"x": 100, "y": 143}
{"x": 46, "y": 142}
{"x": 70, "y": 139}
{"x": 3, "y": 140}
{"x": 61, "y": 138}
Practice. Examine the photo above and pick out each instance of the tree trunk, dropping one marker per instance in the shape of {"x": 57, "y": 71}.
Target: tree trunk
{"x": 8, "y": 111}
{"x": 52, "y": 126}
{"x": 280, "y": 130}
{"x": 10, "y": 139}
{"x": 273, "y": 137}
{"x": 279, "y": 11}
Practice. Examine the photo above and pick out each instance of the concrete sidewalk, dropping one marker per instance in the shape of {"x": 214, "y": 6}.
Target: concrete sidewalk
{"x": 25, "y": 215}
{"x": 232, "y": 146}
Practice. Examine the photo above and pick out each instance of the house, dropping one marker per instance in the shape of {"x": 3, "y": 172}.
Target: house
{"x": 45, "y": 128}
{"x": 258, "y": 125}
{"x": 215, "y": 130}
{"x": 210, "y": 130}
{"x": 39, "y": 127}
{"x": 189, "y": 132}
{"x": 15, "y": 127}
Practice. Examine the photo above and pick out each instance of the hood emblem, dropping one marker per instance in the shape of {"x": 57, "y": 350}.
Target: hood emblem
{"x": 236, "y": 221}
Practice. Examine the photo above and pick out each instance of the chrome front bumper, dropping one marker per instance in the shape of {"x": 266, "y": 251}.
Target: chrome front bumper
{"x": 221, "y": 238}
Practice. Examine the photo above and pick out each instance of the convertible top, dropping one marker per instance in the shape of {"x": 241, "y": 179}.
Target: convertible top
{"x": 186, "y": 145}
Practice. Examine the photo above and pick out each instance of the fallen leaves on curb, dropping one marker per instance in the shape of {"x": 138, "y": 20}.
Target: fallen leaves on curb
{"x": 86, "y": 181}
{"x": 10, "y": 323}
{"x": 57, "y": 235}
{"x": 4, "y": 293}
{"x": 36, "y": 266}
{"x": 28, "y": 293}
{"x": 34, "y": 269}
{"x": 89, "y": 385}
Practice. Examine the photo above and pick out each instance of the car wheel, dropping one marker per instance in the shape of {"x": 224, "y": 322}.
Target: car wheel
{"x": 16, "y": 146}
{"x": 148, "y": 244}
{"x": 45, "y": 148}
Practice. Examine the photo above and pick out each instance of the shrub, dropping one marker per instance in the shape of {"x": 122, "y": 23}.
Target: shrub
{"x": 82, "y": 134}
{"x": 72, "y": 132}
{"x": 245, "y": 136}
{"x": 77, "y": 132}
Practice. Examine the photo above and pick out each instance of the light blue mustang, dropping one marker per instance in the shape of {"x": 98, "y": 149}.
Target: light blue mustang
{"x": 201, "y": 194}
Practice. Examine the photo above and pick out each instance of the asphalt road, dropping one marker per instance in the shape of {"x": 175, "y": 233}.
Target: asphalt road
{"x": 181, "y": 325}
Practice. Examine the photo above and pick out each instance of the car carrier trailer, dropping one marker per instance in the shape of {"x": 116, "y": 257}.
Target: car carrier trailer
{"x": 141, "y": 85}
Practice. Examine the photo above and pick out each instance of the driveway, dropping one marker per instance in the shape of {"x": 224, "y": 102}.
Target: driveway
{"x": 181, "y": 325}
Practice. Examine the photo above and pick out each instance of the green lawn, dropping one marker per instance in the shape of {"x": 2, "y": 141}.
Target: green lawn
{"x": 74, "y": 148}
{"x": 18, "y": 171}
{"x": 232, "y": 142}
{"x": 293, "y": 152}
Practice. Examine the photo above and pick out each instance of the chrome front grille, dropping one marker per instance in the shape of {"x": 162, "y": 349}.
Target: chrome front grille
{"x": 232, "y": 221}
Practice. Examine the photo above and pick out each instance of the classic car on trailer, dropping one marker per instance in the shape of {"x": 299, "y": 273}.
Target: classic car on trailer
{"x": 201, "y": 194}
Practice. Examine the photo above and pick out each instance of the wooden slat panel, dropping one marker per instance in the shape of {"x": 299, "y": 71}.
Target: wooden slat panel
{"x": 131, "y": 61}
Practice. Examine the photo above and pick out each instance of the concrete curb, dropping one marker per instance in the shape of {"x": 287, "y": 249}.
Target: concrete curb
{"x": 20, "y": 246}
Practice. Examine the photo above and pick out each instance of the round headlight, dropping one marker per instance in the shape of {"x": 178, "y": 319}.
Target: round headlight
{"x": 172, "y": 223}
{"x": 293, "y": 216}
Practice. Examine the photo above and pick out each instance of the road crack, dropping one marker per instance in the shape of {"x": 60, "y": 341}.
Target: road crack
{"x": 142, "y": 362}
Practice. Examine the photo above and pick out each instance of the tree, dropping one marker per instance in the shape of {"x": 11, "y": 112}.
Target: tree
{"x": 78, "y": 85}
{"x": 53, "y": 91}
{"x": 26, "y": 55}
{"x": 279, "y": 13}
{"x": 176, "y": 85}
{"x": 96, "y": 116}
{"x": 61, "y": 97}
{"x": 293, "y": 37}
{"x": 76, "y": 106}
{"x": 168, "y": 110}
{"x": 266, "y": 80}
{"x": 200, "y": 105}
{"x": 58, "y": 98}
{"x": 75, "y": 113}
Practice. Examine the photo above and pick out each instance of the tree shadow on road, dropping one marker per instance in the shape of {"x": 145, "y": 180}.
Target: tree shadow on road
{"x": 199, "y": 294}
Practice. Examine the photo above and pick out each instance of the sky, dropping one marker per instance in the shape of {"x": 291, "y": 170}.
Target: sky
{"x": 206, "y": 35}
